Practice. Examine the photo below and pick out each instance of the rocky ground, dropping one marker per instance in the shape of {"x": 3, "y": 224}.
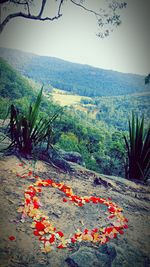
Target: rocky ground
{"x": 130, "y": 249}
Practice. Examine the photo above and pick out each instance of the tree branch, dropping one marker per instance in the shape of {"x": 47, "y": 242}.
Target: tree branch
{"x": 29, "y": 16}
{"x": 59, "y": 8}
{"x": 42, "y": 7}
{"x": 26, "y": 16}
{"x": 86, "y": 9}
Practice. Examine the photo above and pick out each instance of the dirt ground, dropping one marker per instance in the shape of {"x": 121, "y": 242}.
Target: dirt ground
{"x": 25, "y": 249}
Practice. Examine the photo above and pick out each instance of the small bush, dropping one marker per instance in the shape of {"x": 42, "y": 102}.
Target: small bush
{"x": 138, "y": 150}
{"x": 28, "y": 130}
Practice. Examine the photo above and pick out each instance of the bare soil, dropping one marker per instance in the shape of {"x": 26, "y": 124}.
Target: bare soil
{"x": 25, "y": 249}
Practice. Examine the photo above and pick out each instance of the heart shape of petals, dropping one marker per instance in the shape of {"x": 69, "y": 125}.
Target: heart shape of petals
{"x": 48, "y": 234}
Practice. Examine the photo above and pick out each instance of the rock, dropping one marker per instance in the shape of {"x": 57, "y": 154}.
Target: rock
{"x": 87, "y": 257}
{"x": 108, "y": 249}
{"x": 57, "y": 213}
{"x": 4, "y": 125}
{"x": 100, "y": 181}
{"x": 72, "y": 157}
{"x": 84, "y": 257}
{"x": 4, "y": 142}
{"x": 130, "y": 256}
{"x": 51, "y": 156}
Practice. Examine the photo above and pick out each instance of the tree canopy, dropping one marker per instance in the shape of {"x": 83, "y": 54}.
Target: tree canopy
{"x": 107, "y": 16}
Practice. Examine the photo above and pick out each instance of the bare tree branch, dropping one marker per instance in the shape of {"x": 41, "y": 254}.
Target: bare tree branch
{"x": 42, "y": 7}
{"x": 59, "y": 8}
{"x": 29, "y": 16}
{"x": 86, "y": 9}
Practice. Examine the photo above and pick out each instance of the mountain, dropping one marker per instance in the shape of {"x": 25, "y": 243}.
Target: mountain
{"x": 12, "y": 84}
{"x": 77, "y": 78}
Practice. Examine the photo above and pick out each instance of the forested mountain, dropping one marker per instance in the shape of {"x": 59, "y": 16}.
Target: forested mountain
{"x": 77, "y": 78}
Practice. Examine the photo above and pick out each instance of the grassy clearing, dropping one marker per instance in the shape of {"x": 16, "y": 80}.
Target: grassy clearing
{"x": 63, "y": 98}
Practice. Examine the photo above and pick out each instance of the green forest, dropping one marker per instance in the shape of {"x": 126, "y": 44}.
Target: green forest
{"x": 99, "y": 138}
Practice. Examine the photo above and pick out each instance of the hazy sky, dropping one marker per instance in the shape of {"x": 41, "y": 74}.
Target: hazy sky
{"x": 73, "y": 37}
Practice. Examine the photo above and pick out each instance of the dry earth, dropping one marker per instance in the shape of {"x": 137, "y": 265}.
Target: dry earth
{"x": 132, "y": 248}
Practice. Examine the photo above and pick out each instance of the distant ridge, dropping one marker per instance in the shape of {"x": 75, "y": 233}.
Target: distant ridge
{"x": 77, "y": 78}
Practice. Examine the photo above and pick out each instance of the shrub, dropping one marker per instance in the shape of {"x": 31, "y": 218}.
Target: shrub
{"x": 138, "y": 150}
{"x": 27, "y": 130}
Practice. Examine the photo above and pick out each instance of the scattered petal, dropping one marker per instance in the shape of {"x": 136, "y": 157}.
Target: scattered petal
{"x": 12, "y": 238}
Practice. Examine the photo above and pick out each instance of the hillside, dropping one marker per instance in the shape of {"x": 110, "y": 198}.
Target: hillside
{"x": 20, "y": 244}
{"x": 113, "y": 110}
{"x": 12, "y": 84}
{"x": 77, "y": 78}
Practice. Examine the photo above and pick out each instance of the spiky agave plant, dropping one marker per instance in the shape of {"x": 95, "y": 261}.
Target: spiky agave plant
{"x": 138, "y": 149}
{"x": 27, "y": 131}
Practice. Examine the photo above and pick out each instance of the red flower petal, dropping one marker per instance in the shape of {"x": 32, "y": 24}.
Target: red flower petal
{"x": 73, "y": 240}
{"x": 36, "y": 204}
{"x": 121, "y": 232}
{"x": 60, "y": 233}
{"x": 108, "y": 230}
{"x": 28, "y": 201}
{"x": 12, "y": 238}
{"x": 40, "y": 226}
{"x": 64, "y": 200}
{"x": 52, "y": 238}
{"x": 111, "y": 216}
{"x": 95, "y": 230}
{"x": 39, "y": 190}
{"x": 48, "y": 181}
{"x": 126, "y": 226}
{"x": 32, "y": 194}
{"x": 87, "y": 200}
{"x": 60, "y": 246}
{"x": 95, "y": 200}
{"x": 86, "y": 231}
{"x": 112, "y": 209}
{"x": 36, "y": 232}
{"x": 77, "y": 235}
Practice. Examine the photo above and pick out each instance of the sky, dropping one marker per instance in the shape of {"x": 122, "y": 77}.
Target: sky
{"x": 73, "y": 37}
